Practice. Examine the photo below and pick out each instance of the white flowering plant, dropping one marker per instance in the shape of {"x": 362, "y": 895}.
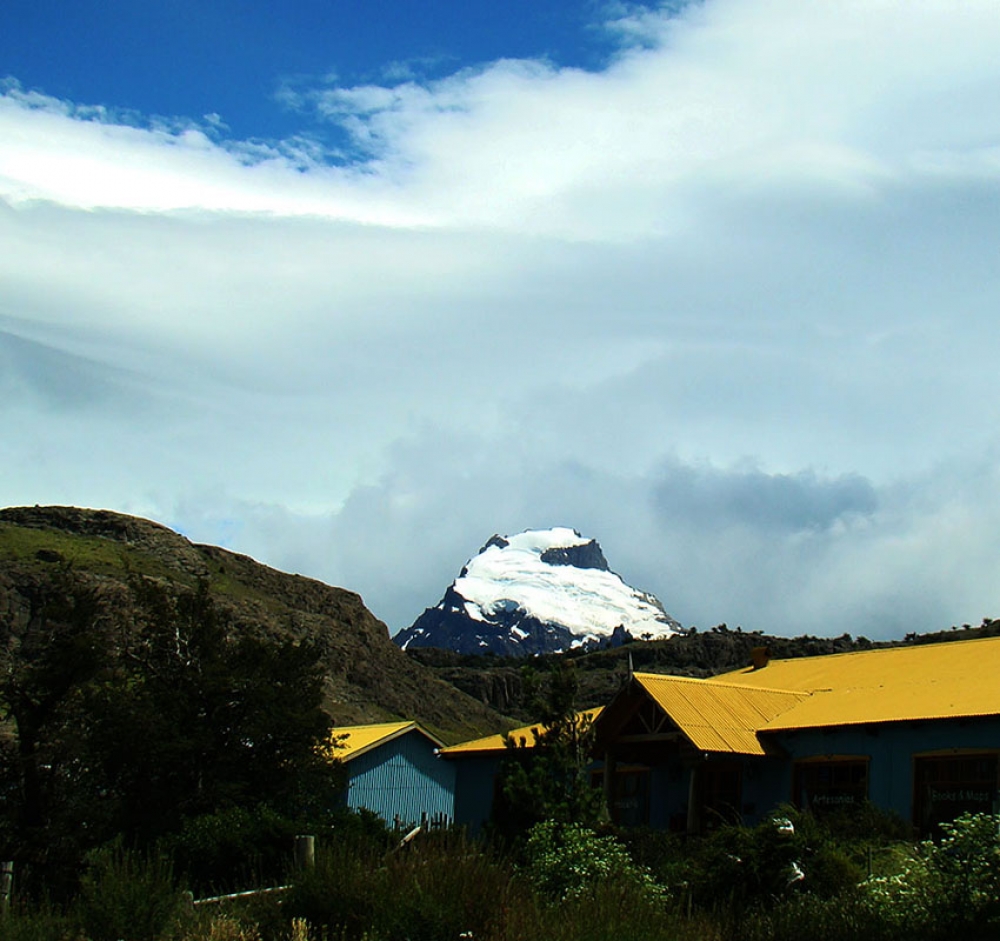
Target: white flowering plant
{"x": 566, "y": 861}
{"x": 951, "y": 881}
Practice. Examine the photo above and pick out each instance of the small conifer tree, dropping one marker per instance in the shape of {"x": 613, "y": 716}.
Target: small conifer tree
{"x": 547, "y": 779}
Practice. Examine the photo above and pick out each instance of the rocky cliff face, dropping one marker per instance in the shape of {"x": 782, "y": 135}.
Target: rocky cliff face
{"x": 50, "y": 557}
{"x": 541, "y": 591}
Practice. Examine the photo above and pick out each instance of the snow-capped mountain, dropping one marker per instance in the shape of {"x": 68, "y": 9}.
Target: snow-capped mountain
{"x": 541, "y": 591}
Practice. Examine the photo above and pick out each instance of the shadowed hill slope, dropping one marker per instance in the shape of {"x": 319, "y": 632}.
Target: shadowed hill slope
{"x": 48, "y": 551}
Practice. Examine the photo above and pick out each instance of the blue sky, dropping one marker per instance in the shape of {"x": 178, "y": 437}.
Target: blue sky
{"x": 351, "y": 287}
{"x": 188, "y": 58}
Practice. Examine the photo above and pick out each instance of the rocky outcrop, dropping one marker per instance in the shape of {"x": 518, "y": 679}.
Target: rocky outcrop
{"x": 586, "y": 556}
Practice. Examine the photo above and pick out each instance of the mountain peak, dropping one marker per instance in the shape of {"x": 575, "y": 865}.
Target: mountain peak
{"x": 539, "y": 591}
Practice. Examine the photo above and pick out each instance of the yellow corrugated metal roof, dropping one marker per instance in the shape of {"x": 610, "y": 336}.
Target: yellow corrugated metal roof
{"x": 716, "y": 716}
{"x": 490, "y": 743}
{"x": 354, "y": 740}
{"x": 495, "y": 743}
{"x": 892, "y": 684}
{"x": 724, "y": 714}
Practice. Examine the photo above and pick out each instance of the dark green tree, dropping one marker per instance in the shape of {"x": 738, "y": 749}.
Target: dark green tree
{"x": 132, "y": 730}
{"x": 548, "y": 778}
{"x": 61, "y": 650}
{"x": 203, "y": 715}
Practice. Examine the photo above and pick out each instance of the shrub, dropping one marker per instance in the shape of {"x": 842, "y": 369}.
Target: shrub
{"x": 440, "y": 886}
{"x": 126, "y": 894}
{"x": 43, "y": 924}
{"x": 966, "y": 860}
{"x": 655, "y": 849}
{"x": 338, "y": 894}
{"x": 830, "y": 871}
{"x": 568, "y": 861}
{"x": 610, "y": 912}
{"x": 736, "y": 867}
{"x": 232, "y": 849}
{"x": 864, "y": 823}
{"x": 444, "y": 887}
{"x": 950, "y": 884}
{"x": 844, "y": 918}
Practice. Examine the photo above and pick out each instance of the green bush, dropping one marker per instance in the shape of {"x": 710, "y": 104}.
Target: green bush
{"x": 569, "y": 884}
{"x": 846, "y": 917}
{"x": 657, "y": 850}
{"x": 966, "y": 860}
{"x": 450, "y": 889}
{"x": 863, "y": 823}
{"x": 339, "y": 894}
{"x": 740, "y": 868}
{"x": 949, "y": 884}
{"x": 831, "y": 871}
{"x": 439, "y": 887}
{"x": 41, "y": 924}
{"x": 609, "y": 912}
{"x": 737, "y": 867}
{"x": 231, "y": 850}
{"x": 569, "y": 861}
{"x": 126, "y": 894}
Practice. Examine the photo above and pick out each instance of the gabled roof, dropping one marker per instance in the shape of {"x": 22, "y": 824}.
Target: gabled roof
{"x": 524, "y": 736}
{"x": 949, "y": 680}
{"x": 716, "y": 716}
{"x": 355, "y": 740}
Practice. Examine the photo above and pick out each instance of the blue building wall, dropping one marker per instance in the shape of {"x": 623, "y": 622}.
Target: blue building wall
{"x": 763, "y": 787}
{"x": 403, "y": 779}
{"x": 763, "y": 781}
{"x": 668, "y": 794}
{"x": 475, "y": 781}
{"x": 891, "y": 749}
{"x": 766, "y": 783}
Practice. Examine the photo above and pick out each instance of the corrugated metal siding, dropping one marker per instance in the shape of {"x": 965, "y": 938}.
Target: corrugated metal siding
{"x": 718, "y": 717}
{"x": 403, "y": 778}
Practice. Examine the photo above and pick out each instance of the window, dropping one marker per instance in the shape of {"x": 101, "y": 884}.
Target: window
{"x": 830, "y": 783}
{"x": 946, "y": 786}
{"x": 629, "y": 799}
{"x": 722, "y": 794}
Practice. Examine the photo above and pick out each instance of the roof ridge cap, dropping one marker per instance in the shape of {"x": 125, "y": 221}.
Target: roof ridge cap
{"x": 374, "y": 725}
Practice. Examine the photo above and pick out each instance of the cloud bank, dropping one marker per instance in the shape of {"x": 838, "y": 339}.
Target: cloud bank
{"x": 727, "y": 305}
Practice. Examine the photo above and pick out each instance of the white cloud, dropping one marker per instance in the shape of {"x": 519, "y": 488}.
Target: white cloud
{"x": 842, "y": 98}
{"x": 755, "y": 253}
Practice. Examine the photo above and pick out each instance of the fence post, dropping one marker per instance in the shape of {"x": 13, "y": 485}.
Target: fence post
{"x": 6, "y": 885}
{"x": 305, "y": 852}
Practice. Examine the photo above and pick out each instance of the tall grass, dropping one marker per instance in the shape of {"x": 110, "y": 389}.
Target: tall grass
{"x": 443, "y": 887}
{"x": 126, "y": 894}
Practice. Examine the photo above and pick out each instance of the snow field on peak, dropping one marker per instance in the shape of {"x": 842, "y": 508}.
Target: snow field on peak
{"x": 589, "y": 602}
